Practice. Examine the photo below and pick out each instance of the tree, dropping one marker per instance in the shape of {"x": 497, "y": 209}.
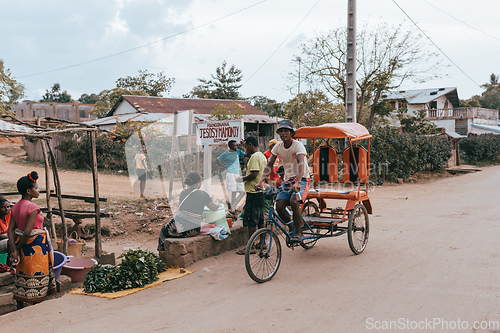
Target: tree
{"x": 56, "y": 95}
{"x": 227, "y": 112}
{"x": 386, "y": 57}
{"x": 108, "y": 98}
{"x": 315, "y": 109}
{"x": 268, "y": 105}
{"x": 223, "y": 85}
{"x": 493, "y": 84}
{"x": 88, "y": 99}
{"x": 490, "y": 98}
{"x": 11, "y": 91}
{"x": 144, "y": 84}
{"x": 474, "y": 101}
{"x": 152, "y": 84}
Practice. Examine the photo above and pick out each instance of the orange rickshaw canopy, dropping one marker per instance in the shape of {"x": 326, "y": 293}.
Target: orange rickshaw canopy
{"x": 353, "y": 131}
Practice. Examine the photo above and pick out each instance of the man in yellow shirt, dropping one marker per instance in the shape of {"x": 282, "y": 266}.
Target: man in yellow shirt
{"x": 253, "y": 215}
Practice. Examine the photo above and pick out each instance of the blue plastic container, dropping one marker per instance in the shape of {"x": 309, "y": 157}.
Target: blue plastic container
{"x": 59, "y": 260}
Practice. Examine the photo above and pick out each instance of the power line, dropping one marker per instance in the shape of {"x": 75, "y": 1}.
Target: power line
{"x": 144, "y": 45}
{"x": 460, "y": 69}
{"x": 284, "y": 41}
{"x": 459, "y": 20}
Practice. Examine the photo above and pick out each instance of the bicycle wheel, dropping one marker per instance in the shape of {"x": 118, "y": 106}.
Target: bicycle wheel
{"x": 358, "y": 229}
{"x": 263, "y": 255}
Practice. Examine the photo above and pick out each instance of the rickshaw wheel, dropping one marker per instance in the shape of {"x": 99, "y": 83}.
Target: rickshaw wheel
{"x": 358, "y": 229}
{"x": 263, "y": 255}
{"x": 309, "y": 208}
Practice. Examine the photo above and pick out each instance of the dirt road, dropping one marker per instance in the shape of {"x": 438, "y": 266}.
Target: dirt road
{"x": 432, "y": 263}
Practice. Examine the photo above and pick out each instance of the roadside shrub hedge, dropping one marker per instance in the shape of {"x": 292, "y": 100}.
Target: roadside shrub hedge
{"x": 477, "y": 149}
{"x": 395, "y": 155}
{"x": 110, "y": 152}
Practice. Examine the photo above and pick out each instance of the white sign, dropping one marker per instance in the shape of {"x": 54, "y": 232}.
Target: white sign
{"x": 223, "y": 131}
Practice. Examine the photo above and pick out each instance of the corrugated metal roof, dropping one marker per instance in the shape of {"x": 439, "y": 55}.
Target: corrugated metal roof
{"x": 423, "y": 96}
{"x": 453, "y": 135}
{"x": 9, "y": 127}
{"x": 121, "y": 118}
{"x": 495, "y": 129}
{"x": 248, "y": 118}
{"x": 170, "y": 105}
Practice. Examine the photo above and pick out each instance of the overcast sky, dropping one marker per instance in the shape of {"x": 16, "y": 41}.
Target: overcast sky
{"x": 44, "y": 42}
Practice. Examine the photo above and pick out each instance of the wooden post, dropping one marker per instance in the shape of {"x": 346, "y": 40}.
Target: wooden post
{"x": 190, "y": 135}
{"x": 161, "y": 180}
{"x": 171, "y": 172}
{"x": 47, "y": 186}
{"x": 207, "y": 169}
{"x": 97, "y": 206}
{"x": 57, "y": 187}
{"x": 197, "y": 158}
{"x": 47, "y": 190}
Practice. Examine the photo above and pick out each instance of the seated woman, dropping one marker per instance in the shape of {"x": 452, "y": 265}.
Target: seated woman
{"x": 30, "y": 247}
{"x": 4, "y": 224}
{"x": 187, "y": 221}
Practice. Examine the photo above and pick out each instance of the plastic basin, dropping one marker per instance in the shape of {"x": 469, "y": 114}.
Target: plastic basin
{"x": 217, "y": 217}
{"x": 59, "y": 260}
{"x": 77, "y": 268}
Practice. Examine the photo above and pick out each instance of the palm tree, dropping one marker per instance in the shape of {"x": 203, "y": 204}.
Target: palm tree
{"x": 493, "y": 84}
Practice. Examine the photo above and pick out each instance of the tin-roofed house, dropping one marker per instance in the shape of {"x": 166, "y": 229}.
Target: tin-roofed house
{"x": 442, "y": 108}
{"x": 149, "y": 108}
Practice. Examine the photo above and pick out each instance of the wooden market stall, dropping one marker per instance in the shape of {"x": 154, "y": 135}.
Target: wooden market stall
{"x": 18, "y": 128}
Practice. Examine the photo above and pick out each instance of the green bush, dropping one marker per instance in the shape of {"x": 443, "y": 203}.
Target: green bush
{"x": 484, "y": 148}
{"x": 110, "y": 152}
{"x": 401, "y": 155}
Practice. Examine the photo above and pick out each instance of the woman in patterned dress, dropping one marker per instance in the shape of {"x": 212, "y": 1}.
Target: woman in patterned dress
{"x": 30, "y": 246}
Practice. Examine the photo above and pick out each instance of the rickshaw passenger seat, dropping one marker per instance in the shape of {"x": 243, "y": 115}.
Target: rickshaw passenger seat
{"x": 325, "y": 164}
{"x": 352, "y": 174}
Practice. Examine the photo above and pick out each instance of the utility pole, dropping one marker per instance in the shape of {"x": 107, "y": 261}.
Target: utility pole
{"x": 299, "y": 59}
{"x": 350, "y": 110}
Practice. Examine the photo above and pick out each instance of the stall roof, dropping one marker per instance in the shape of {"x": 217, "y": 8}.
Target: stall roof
{"x": 247, "y": 118}
{"x": 354, "y": 131}
{"x": 121, "y": 118}
{"x": 9, "y": 127}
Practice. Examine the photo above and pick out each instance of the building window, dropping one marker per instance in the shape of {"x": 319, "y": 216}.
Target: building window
{"x": 63, "y": 114}
{"x": 39, "y": 112}
{"x": 83, "y": 114}
{"x": 433, "y": 105}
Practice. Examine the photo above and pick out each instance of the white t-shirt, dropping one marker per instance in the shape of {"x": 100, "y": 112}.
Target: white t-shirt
{"x": 288, "y": 158}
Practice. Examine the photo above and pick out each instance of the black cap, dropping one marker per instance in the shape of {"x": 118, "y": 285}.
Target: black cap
{"x": 288, "y": 124}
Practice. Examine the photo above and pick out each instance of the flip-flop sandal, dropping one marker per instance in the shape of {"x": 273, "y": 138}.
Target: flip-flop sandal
{"x": 242, "y": 252}
{"x": 295, "y": 239}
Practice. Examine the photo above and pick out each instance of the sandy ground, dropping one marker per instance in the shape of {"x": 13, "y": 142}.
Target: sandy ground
{"x": 135, "y": 222}
{"x": 432, "y": 264}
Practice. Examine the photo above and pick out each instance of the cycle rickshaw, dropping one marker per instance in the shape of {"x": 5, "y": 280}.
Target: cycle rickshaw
{"x": 263, "y": 250}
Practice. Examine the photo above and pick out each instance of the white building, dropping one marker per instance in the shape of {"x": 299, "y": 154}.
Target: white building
{"x": 442, "y": 108}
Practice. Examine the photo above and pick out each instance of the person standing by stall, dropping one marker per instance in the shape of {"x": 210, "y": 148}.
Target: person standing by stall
{"x": 141, "y": 168}
{"x": 253, "y": 215}
{"x": 231, "y": 159}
